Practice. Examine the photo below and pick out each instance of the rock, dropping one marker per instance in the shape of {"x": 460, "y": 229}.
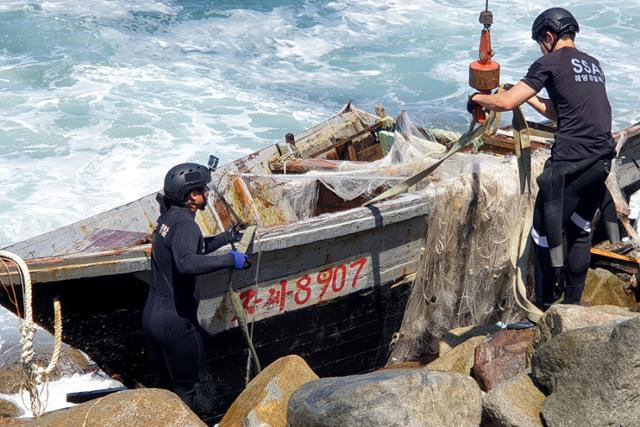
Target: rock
{"x": 604, "y": 288}
{"x": 515, "y": 403}
{"x": 140, "y": 407}
{"x": 395, "y": 397}
{"x": 560, "y": 318}
{"x": 71, "y": 361}
{"x": 409, "y": 364}
{"x": 459, "y": 335}
{"x": 592, "y": 374}
{"x": 501, "y": 356}
{"x": 9, "y": 409}
{"x": 265, "y": 400}
{"x": 459, "y": 358}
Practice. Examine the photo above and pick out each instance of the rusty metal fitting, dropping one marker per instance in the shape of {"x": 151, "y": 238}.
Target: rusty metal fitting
{"x": 486, "y": 18}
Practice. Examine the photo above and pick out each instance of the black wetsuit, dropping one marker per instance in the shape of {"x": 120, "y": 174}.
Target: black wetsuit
{"x": 171, "y": 329}
{"x": 572, "y": 183}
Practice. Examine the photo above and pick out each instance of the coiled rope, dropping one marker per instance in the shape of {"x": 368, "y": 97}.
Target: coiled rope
{"x": 34, "y": 376}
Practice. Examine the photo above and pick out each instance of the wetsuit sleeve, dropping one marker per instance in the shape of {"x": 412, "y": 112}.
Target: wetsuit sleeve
{"x": 537, "y": 76}
{"x": 184, "y": 246}
{"x": 215, "y": 242}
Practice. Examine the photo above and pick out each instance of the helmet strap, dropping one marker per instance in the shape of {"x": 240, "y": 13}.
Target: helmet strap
{"x": 555, "y": 42}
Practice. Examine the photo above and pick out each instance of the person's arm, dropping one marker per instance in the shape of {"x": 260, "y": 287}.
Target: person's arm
{"x": 215, "y": 242}
{"x": 543, "y": 106}
{"x": 230, "y": 235}
{"x": 184, "y": 246}
{"x": 506, "y": 100}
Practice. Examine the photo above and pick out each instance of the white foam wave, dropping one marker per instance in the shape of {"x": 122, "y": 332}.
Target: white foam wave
{"x": 55, "y": 392}
{"x": 97, "y": 110}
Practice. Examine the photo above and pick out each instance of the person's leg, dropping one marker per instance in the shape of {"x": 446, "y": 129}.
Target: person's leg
{"x": 545, "y": 276}
{"x": 152, "y": 327}
{"x": 578, "y": 261}
{"x": 609, "y": 217}
{"x": 183, "y": 351}
{"x": 583, "y": 196}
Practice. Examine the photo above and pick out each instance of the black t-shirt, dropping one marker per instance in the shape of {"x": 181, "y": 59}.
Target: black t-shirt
{"x": 576, "y": 85}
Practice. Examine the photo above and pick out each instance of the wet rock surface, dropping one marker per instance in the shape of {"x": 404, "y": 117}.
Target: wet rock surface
{"x": 9, "y": 409}
{"x": 141, "y": 408}
{"x": 71, "y": 361}
{"x": 592, "y": 375}
{"x": 395, "y": 397}
{"x": 515, "y": 403}
{"x": 501, "y": 356}
{"x": 265, "y": 400}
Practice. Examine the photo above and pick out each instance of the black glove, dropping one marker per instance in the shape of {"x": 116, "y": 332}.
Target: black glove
{"x": 472, "y": 105}
{"x": 233, "y": 234}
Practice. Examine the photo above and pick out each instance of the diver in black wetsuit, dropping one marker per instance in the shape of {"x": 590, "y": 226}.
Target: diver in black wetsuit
{"x": 171, "y": 330}
{"x": 572, "y": 185}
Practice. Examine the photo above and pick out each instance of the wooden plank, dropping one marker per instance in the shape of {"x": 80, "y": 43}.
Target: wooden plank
{"x": 371, "y": 154}
{"x": 334, "y": 225}
{"x": 613, "y": 255}
{"x": 353, "y": 156}
{"x": 346, "y": 140}
{"x": 306, "y": 165}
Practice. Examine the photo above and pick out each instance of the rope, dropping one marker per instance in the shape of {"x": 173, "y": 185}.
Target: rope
{"x": 236, "y": 303}
{"x": 33, "y": 375}
{"x": 255, "y": 287}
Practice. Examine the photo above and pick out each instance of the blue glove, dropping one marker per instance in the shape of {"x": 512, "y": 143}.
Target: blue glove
{"x": 241, "y": 260}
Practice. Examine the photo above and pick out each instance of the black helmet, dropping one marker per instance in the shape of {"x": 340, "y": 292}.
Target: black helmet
{"x": 556, "y": 20}
{"x": 183, "y": 178}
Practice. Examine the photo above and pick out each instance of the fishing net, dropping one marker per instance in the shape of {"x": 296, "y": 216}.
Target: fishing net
{"x": 465, "y": 274}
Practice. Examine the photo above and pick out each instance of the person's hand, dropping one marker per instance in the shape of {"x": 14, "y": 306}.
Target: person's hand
{"x": 233, "y": 234}
{"x": 241, "y": 260}
{"x": 471, "y": 104}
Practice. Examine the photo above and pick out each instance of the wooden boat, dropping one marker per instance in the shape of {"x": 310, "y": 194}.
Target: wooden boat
{"x": 329, "y": 280}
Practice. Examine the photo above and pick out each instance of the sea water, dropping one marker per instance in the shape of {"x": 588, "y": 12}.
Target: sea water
{"x": 99, "y": 98}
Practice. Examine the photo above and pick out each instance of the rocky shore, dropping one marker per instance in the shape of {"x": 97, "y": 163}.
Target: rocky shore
{"x": 579, "y": 366}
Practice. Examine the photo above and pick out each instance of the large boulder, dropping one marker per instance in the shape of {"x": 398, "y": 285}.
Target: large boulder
{"x": 605, "y": 288}
{"x": 140, "y": 407}
{"x": 515, "y": 403}
{"x": 561, "y": 318}
{"x": 71, "y": 361}
{"x": 457, "y": 336}
{"x": 501, "y": 356}
{"x": 265, "y": 400}
{"x": 592, "y": 375}
{"x": 395, "y": 397}
{"x": 459, "y": 358}
{"x": 9, "y": 409}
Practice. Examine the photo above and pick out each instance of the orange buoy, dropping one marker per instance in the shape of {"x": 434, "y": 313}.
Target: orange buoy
{"x": 484, "y": 74}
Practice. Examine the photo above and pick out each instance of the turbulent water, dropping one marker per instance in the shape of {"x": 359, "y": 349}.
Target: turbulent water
{"x": 99, "y": 98}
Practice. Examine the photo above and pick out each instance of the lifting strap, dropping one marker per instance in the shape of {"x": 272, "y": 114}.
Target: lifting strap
{"x": 234, "y": 298}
